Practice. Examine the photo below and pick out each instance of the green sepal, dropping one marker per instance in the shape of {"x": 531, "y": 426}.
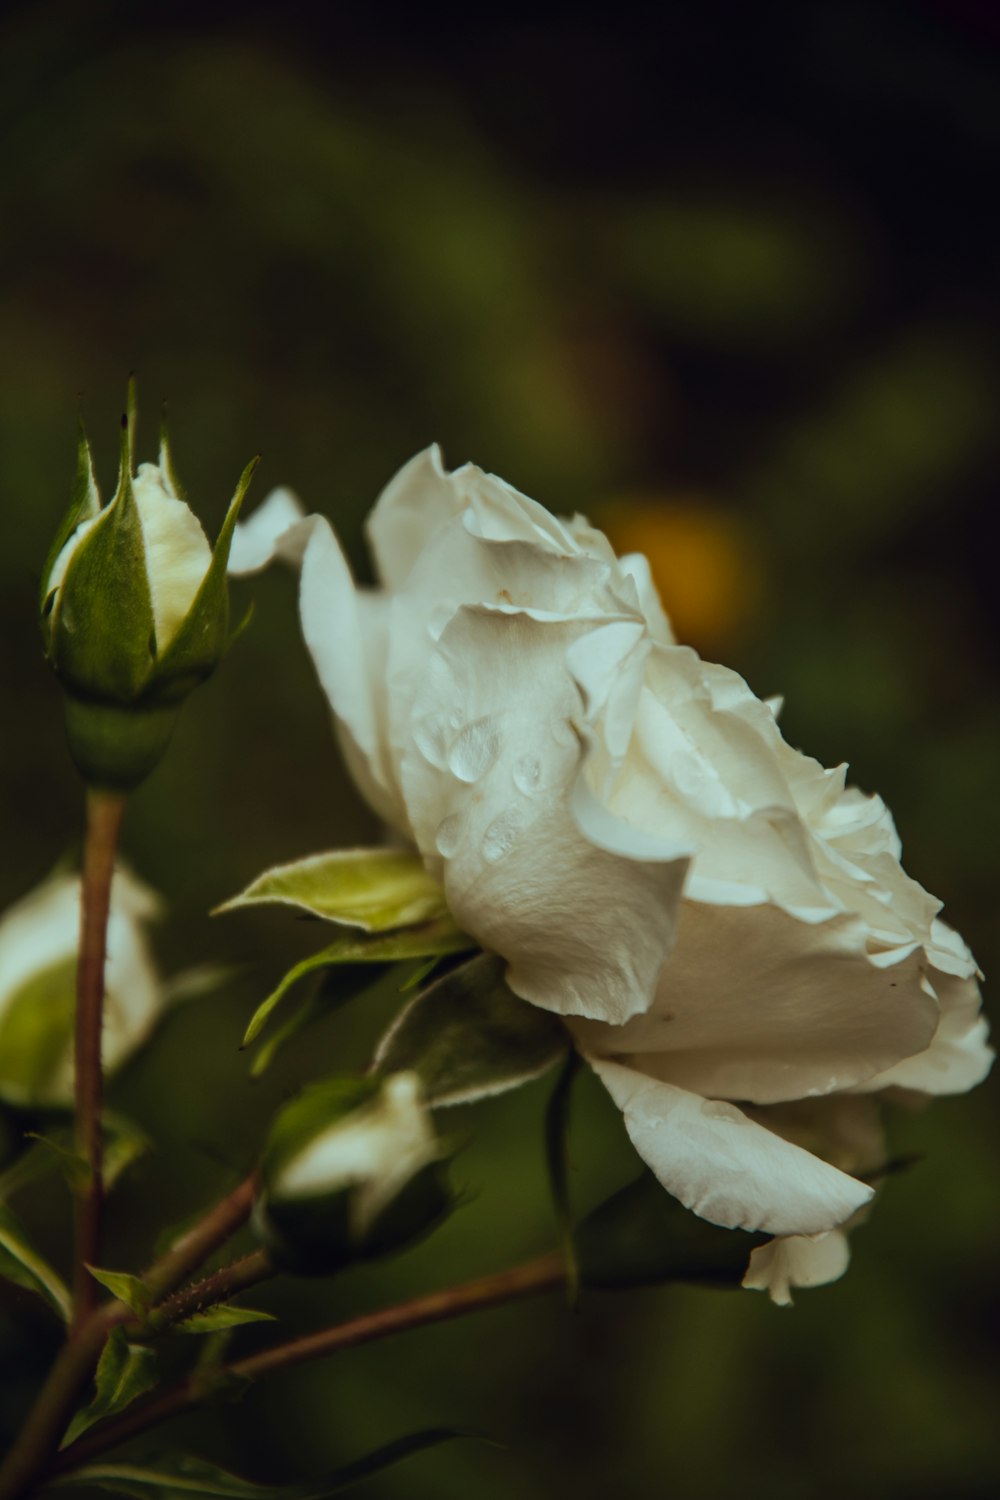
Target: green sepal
{"x": 103, "y": 639}
{"x": 642, "y": 1236}
{"x": 169, "y": 1476}
{"x": 374, "y": 889}
{"x": 431, "y": 940}
{"x": 21, "y": 1263}
{"x": 315, "y": 1236}
{"x": 469, "y": 1036}
{"x": 84, "y": 505}
{"x": 166, "y": 456}
{"x": 216, "y": 1319}
{"x": 131, "y": 1290}
{"x": 124, "y": 1372}
{"x": 115, "y": 747}
{"x": 202, "y": 638}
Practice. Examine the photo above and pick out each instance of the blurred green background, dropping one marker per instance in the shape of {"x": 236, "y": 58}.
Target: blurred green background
{"x": 726, "y": 281}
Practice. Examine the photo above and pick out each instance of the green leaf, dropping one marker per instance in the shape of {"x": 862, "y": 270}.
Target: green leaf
{"x": 374, "y": 889}
{"x": 557, "y": 1160}
{"x": 315, "y": 1008}
{"x": 127, "y": 1288}
{"x": 21, "y": 1263}
{"x": 433, "y": 939}
{"x": 124, "y": 1372}
{"x": 124, "y": 1143}
{"x": 36, "y": 1035}
{"x": 84, "y": 505}
{"x": 468, "y": 1036}
{"x": 642, "y": 1236}
{"x": 64, "y": 1157}
{"x": 226, "y": 1315}
{"x": 183, "y": 1474}
{"x": 202, "y": 638}
{"x": 197, "y": 982}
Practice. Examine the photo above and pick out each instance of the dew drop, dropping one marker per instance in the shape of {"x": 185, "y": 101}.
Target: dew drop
{"x": 527, "y": 774}
{"x": 432, "y": 735}
{"x": 500, "y": 835}
{"x": 449, "y": 835}
{"x": 475, "y": 749}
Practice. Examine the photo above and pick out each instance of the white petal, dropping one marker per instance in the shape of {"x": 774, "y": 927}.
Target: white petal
{"x": 411, "y": 508}
{"x": 177, "y": 551}
{"x": 754, "y": 1004}
{"x": 488, "y": 780}
{"x": 725, "y": 1167}
{"x": 43, "y": 930}
{"x": 344, "y": 630}
{"x": 959, "y": 1056}
{"x": 273, "y": 530}
{"x": 797, "y": 1261}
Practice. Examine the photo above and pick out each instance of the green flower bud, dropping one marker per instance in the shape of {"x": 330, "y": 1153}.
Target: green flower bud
{"x": 39, "y": 938}
{"x": 134, "y": 612}
{"x": 352, "y": 1171}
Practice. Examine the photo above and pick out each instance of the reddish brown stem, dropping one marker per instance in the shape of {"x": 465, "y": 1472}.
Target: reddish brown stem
{"x": 104, "y": 818}
{"x": 542, "y": 1275}
{"x": 218, "y": 1287}
{"x": 30, "y": 1455}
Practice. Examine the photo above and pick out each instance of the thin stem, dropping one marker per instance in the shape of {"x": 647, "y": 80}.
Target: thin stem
{"x": 193, "y": 1248}
{"x": 542, "y": 1275}
{"x": 29, "y": 1457}
{"x": 104, "y": 818}
{"x": 221, "y": 1285}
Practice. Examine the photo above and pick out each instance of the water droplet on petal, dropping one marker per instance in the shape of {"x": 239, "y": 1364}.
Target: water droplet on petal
{"x": 475, "y": 749}
{"x": 717, "y": 1109}
{"x": 500, "y": 835}
{"x": 449, "y": 835}
{"x": 432, "y": 735}
{"x": 527, "y": 774}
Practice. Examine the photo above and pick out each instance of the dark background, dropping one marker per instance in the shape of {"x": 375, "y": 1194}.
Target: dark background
{"x": 724, "y": 279}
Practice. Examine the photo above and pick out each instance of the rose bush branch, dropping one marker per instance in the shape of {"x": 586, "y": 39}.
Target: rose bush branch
{"x": 545, "y": 1274}
{"x": 248, "y": 1271}
{"x": 104, "y": 818}
{"x": 30, "y": 1455}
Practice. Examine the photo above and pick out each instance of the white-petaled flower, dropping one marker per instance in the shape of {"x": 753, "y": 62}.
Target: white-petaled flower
{"x": 352, "y": 1169}
{"x": 39, "y": 939}
{"x": 723, "y": 922}
{"x": 376, "y": 1149}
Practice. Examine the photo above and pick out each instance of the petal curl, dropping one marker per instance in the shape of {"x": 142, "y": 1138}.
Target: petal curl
{"x": 755, "y": 1004}
{"x": 797, "y": 1261}
{"x": 724, "y": 1166}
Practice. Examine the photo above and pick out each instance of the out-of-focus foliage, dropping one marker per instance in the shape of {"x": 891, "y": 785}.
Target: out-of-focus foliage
{"x": 726, "y": 281}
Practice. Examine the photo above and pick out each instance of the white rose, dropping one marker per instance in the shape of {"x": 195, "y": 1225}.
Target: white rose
{"x": 724, "y": 923}
{"x": 39, "y": 938}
